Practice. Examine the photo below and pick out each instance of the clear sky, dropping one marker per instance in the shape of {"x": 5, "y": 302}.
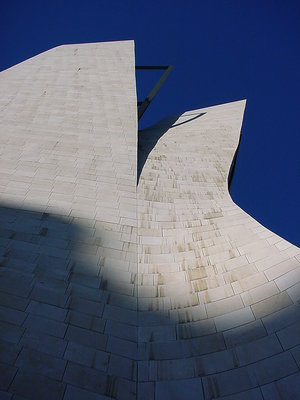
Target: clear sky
{"x": 221, "y": 51}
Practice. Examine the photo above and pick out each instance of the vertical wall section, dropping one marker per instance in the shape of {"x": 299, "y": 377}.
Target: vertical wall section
{"x": 68, "y": 224}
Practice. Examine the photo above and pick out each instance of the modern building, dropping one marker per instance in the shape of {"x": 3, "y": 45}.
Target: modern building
{"x": 127, "y": 271}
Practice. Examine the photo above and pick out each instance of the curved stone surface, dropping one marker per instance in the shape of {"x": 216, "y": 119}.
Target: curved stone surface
{"x": 109, "y": 289}
{"x": 218, "y": 293}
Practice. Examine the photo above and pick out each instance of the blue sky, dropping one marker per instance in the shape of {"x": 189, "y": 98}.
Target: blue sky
{"x": 221, "y": 51}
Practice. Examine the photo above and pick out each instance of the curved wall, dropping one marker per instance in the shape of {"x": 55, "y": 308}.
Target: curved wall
{"x": 221, "y": 289}
{"x": 109, "y": 289}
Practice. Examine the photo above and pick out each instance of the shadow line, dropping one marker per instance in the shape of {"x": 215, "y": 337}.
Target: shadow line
{"x": 147, "y": 138}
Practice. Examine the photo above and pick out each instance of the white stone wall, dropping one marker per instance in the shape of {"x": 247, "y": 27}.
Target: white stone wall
{"x": 222, "y": 290}
{"x": 68, "y": 132}
{"x": 109, "y": 289}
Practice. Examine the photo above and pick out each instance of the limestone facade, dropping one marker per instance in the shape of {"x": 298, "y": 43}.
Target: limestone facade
{"x": 127, "y": 271}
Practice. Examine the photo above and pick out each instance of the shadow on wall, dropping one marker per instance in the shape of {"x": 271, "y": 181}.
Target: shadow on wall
{"x": 56, "y": 260}
{"x": 51, "y": 259}
{"x": 67, "y": 317}
{"x": 233, "y": 164}
{"x": 146, "y": 142}
{"x": 52, "y": 310}
{"x": 58, "y": 303}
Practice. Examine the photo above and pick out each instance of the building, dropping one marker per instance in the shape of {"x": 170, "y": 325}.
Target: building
{"x": 163, "y": 289}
